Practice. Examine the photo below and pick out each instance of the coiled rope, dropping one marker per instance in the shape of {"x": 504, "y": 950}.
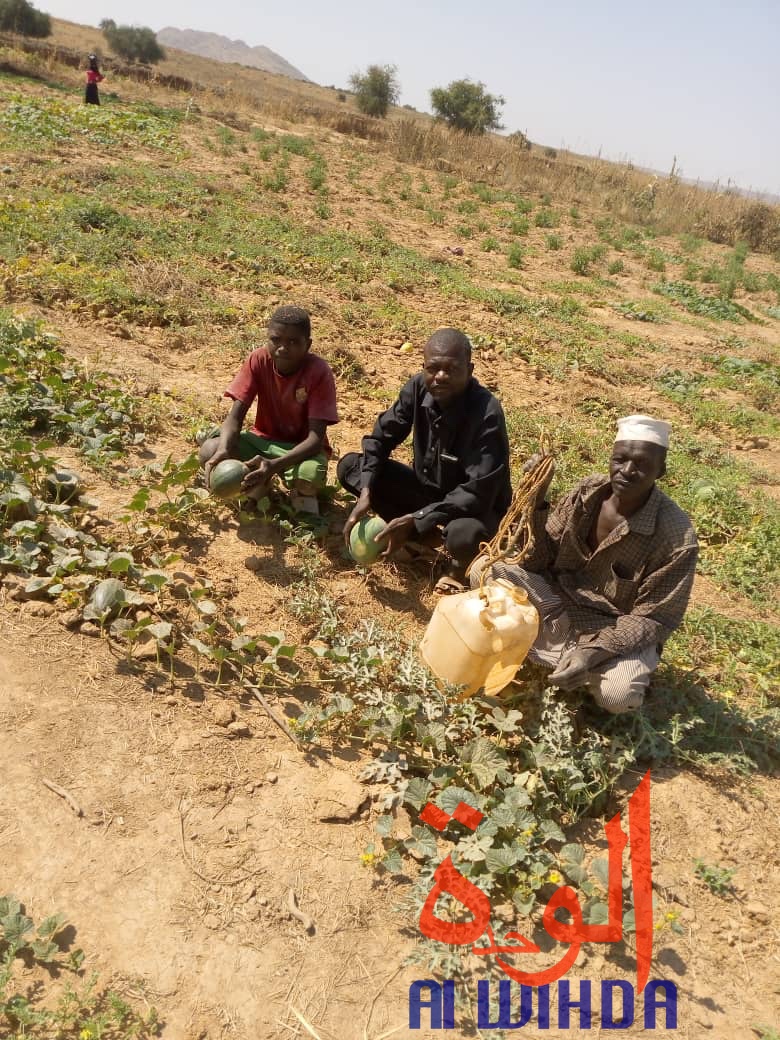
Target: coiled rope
{"x": 513, "y": 541}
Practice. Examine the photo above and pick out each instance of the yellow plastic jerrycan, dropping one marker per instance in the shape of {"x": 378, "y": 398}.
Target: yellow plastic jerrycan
{"x": 480, "y": 638}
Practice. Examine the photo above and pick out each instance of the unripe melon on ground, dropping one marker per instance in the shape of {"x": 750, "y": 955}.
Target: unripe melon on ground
{"x": 362, "y": 547}
{"x": 225, "y": 479}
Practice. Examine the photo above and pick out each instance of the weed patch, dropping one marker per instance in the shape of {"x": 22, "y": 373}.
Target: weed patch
{"x": 41, "y": 122}
{"x": 708, "y": 306}
{"x": 42, "y": 393}
{"x": 546, "y": 218}
{"x": 639, "y": 312}
{"x": 33, "y": 1012}
{"x": 584, "y": 256}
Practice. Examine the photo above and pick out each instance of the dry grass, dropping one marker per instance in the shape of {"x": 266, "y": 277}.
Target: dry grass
{"x": 667, "y": 204}
{"x": 158, "y": 279}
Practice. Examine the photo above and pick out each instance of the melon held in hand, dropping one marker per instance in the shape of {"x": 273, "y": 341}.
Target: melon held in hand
{"x": 225, "y": 479}
{"x": 362, "y": 547}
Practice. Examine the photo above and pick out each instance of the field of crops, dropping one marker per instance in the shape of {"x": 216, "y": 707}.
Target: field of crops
{"x": 237, "y": 712}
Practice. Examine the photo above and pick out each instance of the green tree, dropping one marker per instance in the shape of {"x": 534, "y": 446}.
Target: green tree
{"x": 132, "y": 42}
{"x": 19, "y": 16}
{"x": 376, "y": 89}
{"x": 467, "y": 106}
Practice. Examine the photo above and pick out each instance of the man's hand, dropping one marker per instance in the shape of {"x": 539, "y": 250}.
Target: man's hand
{"x": 261, "y": 472}
{"x": 219, "y": 455}
{"x": 396, "y": 534}
{"x": 530, "y": 466}
{"x": 361, "y": 508}
{"x": 573, "y": 668}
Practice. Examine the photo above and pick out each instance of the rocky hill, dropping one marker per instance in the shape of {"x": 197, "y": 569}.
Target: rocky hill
{"x": 220, "y": 48}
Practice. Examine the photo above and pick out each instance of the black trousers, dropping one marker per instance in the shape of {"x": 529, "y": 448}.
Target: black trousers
{"x": 397, "y": 491}
{"x": 91, "y": 96}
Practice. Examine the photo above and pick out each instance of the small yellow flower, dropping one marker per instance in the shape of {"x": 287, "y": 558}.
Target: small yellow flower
{"x": 671, "y": 915}
{"x": 367, "y": 859}
{"x": 555, "y": 877}
{"x": 86, "y": 1034}
{"x": 658, "y": 925}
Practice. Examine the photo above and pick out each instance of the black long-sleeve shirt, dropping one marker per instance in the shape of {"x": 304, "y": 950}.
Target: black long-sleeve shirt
{"x": 461, "y": 452}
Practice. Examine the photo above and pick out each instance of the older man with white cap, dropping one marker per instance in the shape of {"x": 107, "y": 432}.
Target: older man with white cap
{"x": 610, "y": 572}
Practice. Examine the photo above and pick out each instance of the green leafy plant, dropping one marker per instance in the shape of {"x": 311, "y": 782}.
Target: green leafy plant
{"x": 546, "y": 218}
{"x": 87, "y": 1012}
{"x": 515, "y": 255}
{"x": 717, "y": 879}
{"x": 51, "y": 120}
{"x": 655, "y": 260}
{"x": 316, "y": 175}
{"x": 42, "y": 392}
{"x": 708, "y": 306}
{"x": 637, "y": 312}
{"x": 584, "y": 256}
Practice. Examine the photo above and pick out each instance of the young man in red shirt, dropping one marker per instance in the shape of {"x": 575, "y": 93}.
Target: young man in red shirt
{"x": 296, "y": 402}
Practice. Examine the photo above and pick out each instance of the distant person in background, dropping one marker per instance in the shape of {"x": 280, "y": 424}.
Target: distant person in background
{"x": 93, "y": 78}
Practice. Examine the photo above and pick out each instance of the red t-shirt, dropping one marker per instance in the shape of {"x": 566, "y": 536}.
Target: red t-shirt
{"x": 285, "y": 404}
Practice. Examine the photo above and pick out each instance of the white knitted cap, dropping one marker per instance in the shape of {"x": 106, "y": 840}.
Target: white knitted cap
{"x": 643, "y": 428}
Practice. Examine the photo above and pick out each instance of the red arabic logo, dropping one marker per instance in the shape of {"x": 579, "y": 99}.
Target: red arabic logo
{"x": 448, "y": 880}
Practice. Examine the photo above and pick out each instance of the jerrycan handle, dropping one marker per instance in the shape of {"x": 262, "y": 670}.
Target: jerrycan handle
{"x": 515, "y": 592}
{"x": 494, "y": 607}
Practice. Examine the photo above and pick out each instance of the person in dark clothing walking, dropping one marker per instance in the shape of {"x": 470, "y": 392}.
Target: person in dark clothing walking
{"x": 458, "y": 488}
{"x": 94, "y": 77}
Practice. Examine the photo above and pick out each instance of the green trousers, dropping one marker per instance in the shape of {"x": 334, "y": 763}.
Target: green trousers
{"x": 308, "y": 477}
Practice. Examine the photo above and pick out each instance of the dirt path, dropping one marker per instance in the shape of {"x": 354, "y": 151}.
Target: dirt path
{"x": 215, "y": 958}
{"x": 175, "y": 813}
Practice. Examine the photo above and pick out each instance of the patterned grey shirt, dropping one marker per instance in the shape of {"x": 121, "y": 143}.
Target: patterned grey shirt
{"x": 633, "y": 590}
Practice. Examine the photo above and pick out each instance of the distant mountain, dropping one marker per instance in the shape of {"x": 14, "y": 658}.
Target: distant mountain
{"x": 220, "y": 48}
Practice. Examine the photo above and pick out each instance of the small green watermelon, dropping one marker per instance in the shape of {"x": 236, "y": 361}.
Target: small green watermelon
{"x": 362, "y": 547}
{"x": 225, "y": 479}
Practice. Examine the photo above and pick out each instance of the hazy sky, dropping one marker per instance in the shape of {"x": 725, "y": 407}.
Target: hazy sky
{"x": 696, "y": 79}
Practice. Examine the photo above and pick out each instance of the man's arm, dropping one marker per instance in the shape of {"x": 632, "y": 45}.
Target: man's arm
{"x": 390, "y": 430}
{"x": 486, "y": 467}
{"x": 243, "y": 391}
{"x": 548, "y": 525}
{"x": 227, "y": 444}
